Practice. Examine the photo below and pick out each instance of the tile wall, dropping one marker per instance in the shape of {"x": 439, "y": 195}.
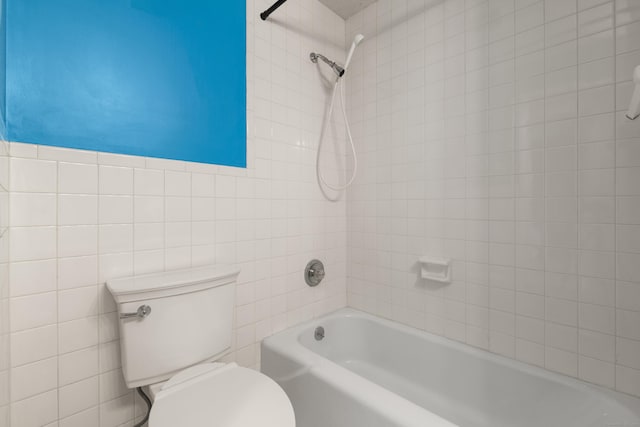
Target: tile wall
{"x": 493, "y": 132}
{"x": 4, "y": 281}
{"x": 79, "y": 218}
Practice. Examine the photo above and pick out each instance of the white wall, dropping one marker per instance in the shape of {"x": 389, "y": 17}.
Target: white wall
{"x": 79, "y": 218}
{"x": 493, "y": 132}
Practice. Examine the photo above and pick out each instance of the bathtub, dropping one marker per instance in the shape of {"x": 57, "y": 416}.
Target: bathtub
{"x": 372, "y": 372}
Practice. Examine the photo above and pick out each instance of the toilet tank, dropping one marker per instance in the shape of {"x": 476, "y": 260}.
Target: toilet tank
{"x": 169, "y": 321}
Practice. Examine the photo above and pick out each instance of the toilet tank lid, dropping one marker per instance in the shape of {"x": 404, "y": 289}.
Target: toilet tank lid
{"x": 172, "y": 282}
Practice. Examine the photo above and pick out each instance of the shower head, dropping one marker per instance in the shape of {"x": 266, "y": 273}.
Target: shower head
{"x": 335, "y": 67}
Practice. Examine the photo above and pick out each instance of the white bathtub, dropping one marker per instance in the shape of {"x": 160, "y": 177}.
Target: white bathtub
{"x": 372, "y": 372}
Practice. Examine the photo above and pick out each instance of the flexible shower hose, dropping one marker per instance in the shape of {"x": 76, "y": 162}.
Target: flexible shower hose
{"x": 350, "y": 137}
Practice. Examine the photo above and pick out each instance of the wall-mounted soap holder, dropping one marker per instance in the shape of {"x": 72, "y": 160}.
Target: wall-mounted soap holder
{"x": 435, "y": 269}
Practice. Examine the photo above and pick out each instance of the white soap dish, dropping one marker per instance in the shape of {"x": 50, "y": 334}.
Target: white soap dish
{"x": 435, "y": 269}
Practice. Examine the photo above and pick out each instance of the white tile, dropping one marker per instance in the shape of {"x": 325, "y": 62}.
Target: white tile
{"x": 597, "y": 182}
{"x": 596, "y": 101}
{"x": 112, "y": 386}
{"x": 597, "y": 346}
{"x": 561, "y": 31}
{"x": 597, "y": 210}
{"x": 598, "y": 318}
{"x": 530, "y": 17}
{"x": 225, "y": 186}
{"x": 561, "y": 133}
{"x": 597, "y": 73}
{"x": 77, "y": 303}
{"x": 554, "y": 9}
{"x": 115, "y": 238}
{"x": 30, "y": 380}
{"x": 627, "y": 181}
{"x": 177, "y": 184}
{"x": 202, "y": 185}
{"x": 627, "y": 37}
{"x": 77, "y": 178}
{"x": 77, "y": 272}
{"x": 33, "y": 345}
{"x": 561, "y": 56}
{"x": 597, "y": 237}
{"x": 73, "y": 367}
{"x": 66, "y": 154}
{"x": 90, "y": 417}
{"x": 628, "y": 238}
{"x": 78, "y": 397}
{"x": 115, "y": 180}
{"x": 627, "y": 11}
{"x": 32, "y": 277}
{"x": 77, "y": 209}
{"x": 595, "y": 20}
{"x": 18, "y": 149}
{"x": 628, "y": 153}
{"x": 628, "y": 353}
{"x": 116, "y": 210}
{"x": 628, "y": 380}
{"x": 561, "y": 81}
{"x": 596, "y": 46}
{"x": 626, "y": 324}
{"x": 561, "y": 107}
{"x": 78, "y": 334}
{"x": 597, "y": 155}
{"x": 628, "y": 267}
{"x": 118, "y": 411}
{"x": 32, "y": 243}
{"x": 149, "y": 209}
{"x": 36, "y": 411}
{"x": 30, "y": 175}
{"x": 148, "y": 236}
{"x": 148, "y": 182}
{"x": 177, "y": 209}
{"x": 596, "y": 371}
{"x": 33, "y": 311}
{"x": 28, "y": 209}
{"x": 78, "y": 240}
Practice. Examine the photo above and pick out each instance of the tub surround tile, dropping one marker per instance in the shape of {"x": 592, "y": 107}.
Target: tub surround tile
{"x": 543, "y": 241}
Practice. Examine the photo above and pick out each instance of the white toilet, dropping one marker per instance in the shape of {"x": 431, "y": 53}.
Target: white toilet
{"x": 173, "y": 326}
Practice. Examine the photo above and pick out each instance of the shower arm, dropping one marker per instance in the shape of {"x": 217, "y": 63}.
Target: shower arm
{"x": 336, "y": 68}
{"x": 264, "y": 15}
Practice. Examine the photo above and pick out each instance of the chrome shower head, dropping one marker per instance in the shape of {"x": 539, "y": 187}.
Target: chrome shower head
{"x": 335, "y": 67}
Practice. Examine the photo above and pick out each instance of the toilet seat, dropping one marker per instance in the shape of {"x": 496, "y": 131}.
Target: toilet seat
{"x": 211, "y": 395}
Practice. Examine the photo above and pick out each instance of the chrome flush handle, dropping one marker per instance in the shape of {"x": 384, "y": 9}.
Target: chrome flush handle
{"x": 142, "y": 312}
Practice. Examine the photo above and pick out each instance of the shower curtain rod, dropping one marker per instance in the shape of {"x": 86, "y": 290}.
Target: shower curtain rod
{"x": 264, "y": 15}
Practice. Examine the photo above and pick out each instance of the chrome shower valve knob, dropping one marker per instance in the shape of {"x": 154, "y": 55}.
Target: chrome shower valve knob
{"x": 314, "y": 272}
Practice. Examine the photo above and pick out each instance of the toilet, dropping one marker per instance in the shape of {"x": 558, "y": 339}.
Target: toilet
{"x": 173, "y": 327}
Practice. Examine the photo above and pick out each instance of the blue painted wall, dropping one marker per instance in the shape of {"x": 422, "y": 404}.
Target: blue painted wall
{"x": 159, "y": 78}
{"x": 3, "y": 70}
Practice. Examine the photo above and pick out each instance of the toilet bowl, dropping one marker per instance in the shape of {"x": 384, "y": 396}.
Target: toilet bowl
{"x": 221, "y": 395}
{"x": 173, "y": 327}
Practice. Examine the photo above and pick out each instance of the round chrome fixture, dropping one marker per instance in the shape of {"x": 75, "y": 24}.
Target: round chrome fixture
{"x": 314, "y": 272}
